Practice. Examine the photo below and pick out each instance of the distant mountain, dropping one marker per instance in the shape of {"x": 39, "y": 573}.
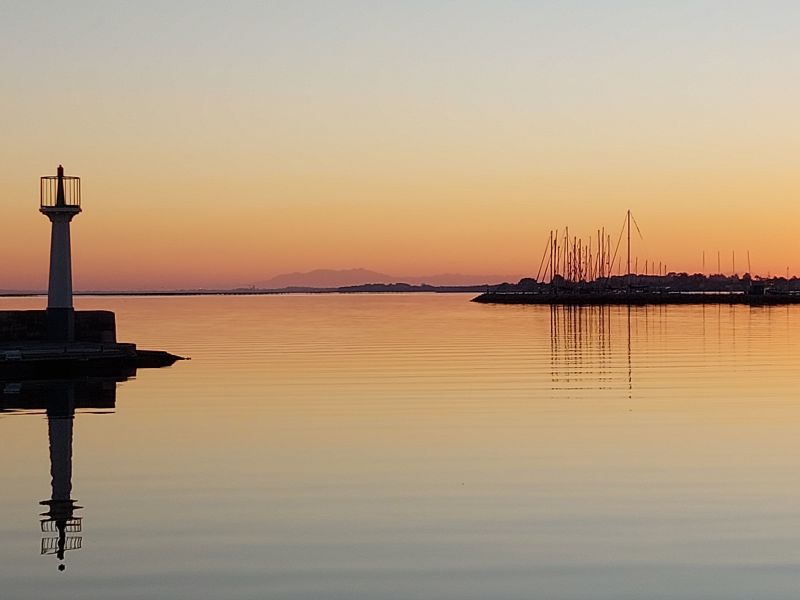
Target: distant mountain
{"x": 331, "y": 278}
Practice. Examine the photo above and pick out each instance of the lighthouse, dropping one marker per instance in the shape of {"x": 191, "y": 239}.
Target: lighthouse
{"x": 60, "y": 201}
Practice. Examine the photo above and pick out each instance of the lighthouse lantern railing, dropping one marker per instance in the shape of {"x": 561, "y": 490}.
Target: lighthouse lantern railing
{"x": 49, "y": 188}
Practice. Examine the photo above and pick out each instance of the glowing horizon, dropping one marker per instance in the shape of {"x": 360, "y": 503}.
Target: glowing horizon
{"x": 220, "y": 145}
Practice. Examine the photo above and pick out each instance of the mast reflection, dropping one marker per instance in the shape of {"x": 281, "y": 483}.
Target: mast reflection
{"x": 591, "y": 345}
{"x": 61, "y": 524}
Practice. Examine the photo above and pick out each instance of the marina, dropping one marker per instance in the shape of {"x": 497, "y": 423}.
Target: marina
{"x": 575, "y": 271}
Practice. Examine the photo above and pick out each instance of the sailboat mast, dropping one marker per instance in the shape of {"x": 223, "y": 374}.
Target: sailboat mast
{"x": 629, "y": 244}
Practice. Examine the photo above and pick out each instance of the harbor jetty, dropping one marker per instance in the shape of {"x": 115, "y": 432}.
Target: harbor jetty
{"x": 673, "y": 288}
{"x": 60, "y": 341}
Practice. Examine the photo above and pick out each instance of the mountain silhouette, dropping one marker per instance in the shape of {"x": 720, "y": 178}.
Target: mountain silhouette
{"x": 332, "y": 278}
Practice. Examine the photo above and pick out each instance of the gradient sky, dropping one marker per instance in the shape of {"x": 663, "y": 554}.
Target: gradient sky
{"x": 221, "y": 143}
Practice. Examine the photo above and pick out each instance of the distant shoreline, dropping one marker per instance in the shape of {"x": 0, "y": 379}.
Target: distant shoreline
{"x": 396, "y": 288}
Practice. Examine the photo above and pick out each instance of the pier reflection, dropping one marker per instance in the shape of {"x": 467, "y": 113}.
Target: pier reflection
{"x": 60, "y": 399}
{"x": 591, "y": 346}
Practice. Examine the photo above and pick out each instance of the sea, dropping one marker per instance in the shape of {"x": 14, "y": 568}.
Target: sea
{"x": 412, "y": 446}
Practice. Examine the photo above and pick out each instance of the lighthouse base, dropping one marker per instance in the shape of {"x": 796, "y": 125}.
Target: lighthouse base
{"x": 61, "y": 324}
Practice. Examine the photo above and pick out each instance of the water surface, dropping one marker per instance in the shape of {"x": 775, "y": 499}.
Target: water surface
{"x": 422, "y": 446}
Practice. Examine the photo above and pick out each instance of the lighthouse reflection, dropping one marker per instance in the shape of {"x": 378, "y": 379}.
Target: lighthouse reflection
{"x": 60, "y": 517}
{"x": 61, "y": 522}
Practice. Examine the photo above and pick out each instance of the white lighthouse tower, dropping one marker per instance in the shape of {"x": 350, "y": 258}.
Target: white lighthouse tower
{"x": 60, "y": 200}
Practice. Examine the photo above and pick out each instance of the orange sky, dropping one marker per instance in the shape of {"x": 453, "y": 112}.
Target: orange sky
{"x": 224, "y": 145}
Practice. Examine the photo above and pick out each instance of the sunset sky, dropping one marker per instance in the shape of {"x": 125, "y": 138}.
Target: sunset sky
{"x": 222, "y": 143}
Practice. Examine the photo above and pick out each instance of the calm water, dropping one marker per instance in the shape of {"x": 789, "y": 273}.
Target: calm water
{"x": 418, "y": 447}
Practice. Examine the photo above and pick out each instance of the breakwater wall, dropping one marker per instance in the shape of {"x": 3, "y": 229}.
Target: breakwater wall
{"x": 95, "y": 326}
